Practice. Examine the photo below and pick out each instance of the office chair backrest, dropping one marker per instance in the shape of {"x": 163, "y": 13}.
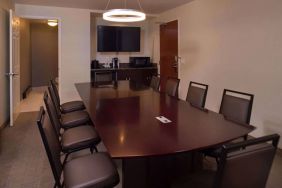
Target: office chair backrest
{"x": 52, "y": 114}
{"x": 56, "y": 92}
{"x": 197, "y": 93}
{"x": 237, "y": 108}
{"x": 171, "y": 87}
{"x": 155, "y": 83}
{"x": 51, "y": 144}
{"x": 54, "y": 100}
{"x": 248, "y": 167}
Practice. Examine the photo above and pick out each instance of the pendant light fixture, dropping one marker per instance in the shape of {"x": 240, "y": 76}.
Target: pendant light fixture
{"x": 124, "y": 15}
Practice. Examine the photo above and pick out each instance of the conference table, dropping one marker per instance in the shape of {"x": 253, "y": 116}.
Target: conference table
{"x": 124, "y": 114}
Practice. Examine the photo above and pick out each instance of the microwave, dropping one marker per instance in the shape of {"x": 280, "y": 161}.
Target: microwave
{"x": 139, "y": 61}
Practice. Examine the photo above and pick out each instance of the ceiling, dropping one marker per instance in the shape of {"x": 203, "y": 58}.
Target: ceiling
{"x": 149, "y": 6}
{"x": 37, "y": 21}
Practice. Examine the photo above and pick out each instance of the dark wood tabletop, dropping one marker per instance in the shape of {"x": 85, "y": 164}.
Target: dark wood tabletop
{"x": 124, "y": 115}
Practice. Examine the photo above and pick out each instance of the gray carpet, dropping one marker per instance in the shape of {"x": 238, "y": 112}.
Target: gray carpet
{"x": 23, "y": 162}
{"x": 22, "y": 156}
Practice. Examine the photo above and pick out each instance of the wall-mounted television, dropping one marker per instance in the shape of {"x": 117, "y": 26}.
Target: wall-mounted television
{"x": 118, "y": 39}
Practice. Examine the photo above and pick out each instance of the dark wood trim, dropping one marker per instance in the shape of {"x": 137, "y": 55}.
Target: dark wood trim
{"x": 169, "y": 36}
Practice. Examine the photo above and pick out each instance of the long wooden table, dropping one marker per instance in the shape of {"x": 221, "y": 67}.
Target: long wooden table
{"x": 125, "y": 117}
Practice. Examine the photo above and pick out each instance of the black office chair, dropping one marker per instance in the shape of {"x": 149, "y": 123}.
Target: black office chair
{"x": 171, "y": 87}
{"x": 74, "y": 139}
{"x": 94, "y": 170}
{"x": 197, "y": 94}
{"x": 234, "y": 108}
{"x": 155, "y": 83}
{"x": 237, "y": 108}
{"x": 68, "y": 120}
{"x": 241, "y": 165}
{"x": 68, "y": 106}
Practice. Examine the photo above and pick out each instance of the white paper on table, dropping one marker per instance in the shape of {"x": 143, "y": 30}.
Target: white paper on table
{"x": 163, "y": 119}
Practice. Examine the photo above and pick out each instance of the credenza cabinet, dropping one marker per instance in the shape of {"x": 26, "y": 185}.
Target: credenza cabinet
{"x": 141, "y": 75}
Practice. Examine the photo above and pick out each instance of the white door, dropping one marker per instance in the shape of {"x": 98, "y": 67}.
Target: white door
{"x": 14, "y": 72}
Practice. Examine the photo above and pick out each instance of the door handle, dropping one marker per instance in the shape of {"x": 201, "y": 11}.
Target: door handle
{"x": 174, "y": 65}
{"x": 177, "y": 58}
{"x": 12, "y": 74}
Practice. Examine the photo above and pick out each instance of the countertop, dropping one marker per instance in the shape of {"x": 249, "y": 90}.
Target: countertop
{"x": 125, "y": 66}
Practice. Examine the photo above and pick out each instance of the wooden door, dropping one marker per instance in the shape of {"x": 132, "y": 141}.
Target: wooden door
{"x": 168, "y": 51}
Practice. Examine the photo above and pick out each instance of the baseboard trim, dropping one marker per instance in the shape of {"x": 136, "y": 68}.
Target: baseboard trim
{"x": 26, "y": 91}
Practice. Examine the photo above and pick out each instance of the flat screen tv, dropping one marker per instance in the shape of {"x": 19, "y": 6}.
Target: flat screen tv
{"x": 118, "y": 39}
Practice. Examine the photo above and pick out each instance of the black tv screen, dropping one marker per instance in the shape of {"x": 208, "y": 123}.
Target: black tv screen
{"x": 129, "y": 39}
{"x": 107, "y": 39}
{"x": 118, "y": 39}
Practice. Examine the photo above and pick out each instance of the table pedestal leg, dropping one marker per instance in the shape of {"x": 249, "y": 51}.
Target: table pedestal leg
{"x": 158, "y": 172}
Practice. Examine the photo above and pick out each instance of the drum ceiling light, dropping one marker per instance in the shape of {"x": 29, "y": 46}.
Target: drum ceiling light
{"x": 124, "y": 15}
{"x": 52, "y": 23}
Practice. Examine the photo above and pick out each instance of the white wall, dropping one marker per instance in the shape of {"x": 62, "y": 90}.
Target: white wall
{"x": 146, "y": 41}
{"x": 74, "y": 37}
{"x": 235, "y": 44}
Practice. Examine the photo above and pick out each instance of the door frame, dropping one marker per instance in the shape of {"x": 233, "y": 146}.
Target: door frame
{"x": 178, "y": 45}
{"x": 59, "y": 39}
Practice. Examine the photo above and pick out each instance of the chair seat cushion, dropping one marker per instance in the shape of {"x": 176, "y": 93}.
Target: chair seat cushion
{"x": 72, "y": 106}
{"x": 96, "y": 170}
{"x": 74, "y": 119}
{"x": 79, "y": 137}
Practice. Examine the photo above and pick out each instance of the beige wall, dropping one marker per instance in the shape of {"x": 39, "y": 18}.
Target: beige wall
{"x": 4, "y": 60}
{"x": 93, "y": 37}
{"x": 25, "y": 55}
{"x": 74, "y": 38}
{"x": 235, "y": 44}
{"x": 6, "y": 4}
{"x": 44, "y": 53}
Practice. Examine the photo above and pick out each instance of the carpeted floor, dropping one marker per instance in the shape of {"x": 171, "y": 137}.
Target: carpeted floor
{"x": 23, "y": 162}
{"x": 22, "y": 157}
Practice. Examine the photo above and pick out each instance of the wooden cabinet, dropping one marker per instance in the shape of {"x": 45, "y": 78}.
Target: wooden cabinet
{"x": 123, "y": 75}
{"x": 141, "y": 75}
{"x": 138, "y": 75}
